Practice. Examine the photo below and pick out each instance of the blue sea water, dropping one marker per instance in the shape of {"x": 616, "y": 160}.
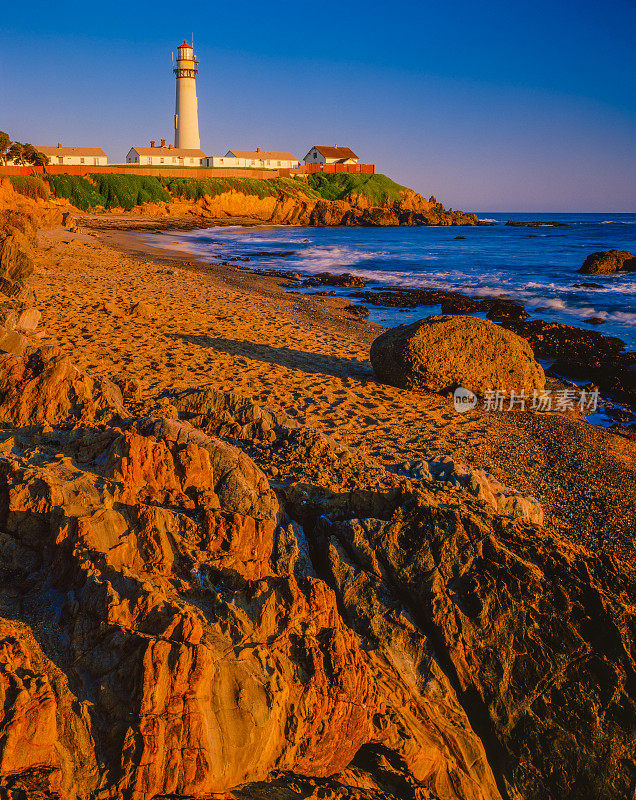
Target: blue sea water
{"x": 536, "y": 265}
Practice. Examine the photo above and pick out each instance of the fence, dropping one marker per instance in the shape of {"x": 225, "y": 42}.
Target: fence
{"x": 157, "y": 172}
{"x": 331, "y": 168}
{"x": 189, "y": 172}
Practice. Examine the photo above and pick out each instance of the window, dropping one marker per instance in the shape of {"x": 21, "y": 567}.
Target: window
{"x": 81, "y": 160}
{"x": 161, "y": 161}
{"x": 279, "y": 163}
{"x": 315, "y": 154}
{"x": 95, "y": 161}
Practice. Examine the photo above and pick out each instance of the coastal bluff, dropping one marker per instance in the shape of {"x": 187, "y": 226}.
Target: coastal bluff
{"x": 316, "y": 200}
{"x": 410, "y": 209}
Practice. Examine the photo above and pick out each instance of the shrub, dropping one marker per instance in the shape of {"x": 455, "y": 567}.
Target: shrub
{"x": 29, "y": 186}
{"x": 127, "y": 191}
{"x": 78, "y": 190}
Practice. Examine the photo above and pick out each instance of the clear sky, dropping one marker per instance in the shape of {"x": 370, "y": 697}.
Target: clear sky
{"x": 488, "y": 105}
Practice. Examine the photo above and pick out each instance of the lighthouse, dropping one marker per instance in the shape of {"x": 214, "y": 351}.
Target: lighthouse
{"x": 186, "y": 112}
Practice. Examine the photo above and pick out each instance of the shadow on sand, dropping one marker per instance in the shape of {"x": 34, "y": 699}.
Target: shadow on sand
{"x": 313, "y": 363}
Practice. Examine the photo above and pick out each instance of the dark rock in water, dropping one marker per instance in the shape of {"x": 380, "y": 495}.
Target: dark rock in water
{"x": 329, "y": 279}
{"x": 460, "y": 237}
{"x": 409, "y": 298}
{"x": 536, "y": 224}
{"x": 460, "y": 305}
{"x": 358, "y": 311}
{"x": 553, "y": 340}
{"x": 587, "y": 285}
{"x": 542, "y": 308}
{"x": 441, "y": 353}
{"x": 582, "y": 354}
{"x": 500, "y": 310}
{"x": 608, "y": 262}
{"x": 595, "y": 320}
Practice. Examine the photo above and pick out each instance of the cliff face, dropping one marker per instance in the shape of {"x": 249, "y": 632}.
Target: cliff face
{"x": 410, "y": 209}
{"x": 24, "y": 213}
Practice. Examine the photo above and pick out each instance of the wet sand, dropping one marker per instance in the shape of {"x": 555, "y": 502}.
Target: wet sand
{"x": 120, "y": 307}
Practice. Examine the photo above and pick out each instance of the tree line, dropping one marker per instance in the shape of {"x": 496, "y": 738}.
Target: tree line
{"x": 20, "y": 153}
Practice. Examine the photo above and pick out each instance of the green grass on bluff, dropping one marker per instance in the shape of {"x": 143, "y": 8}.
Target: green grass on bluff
{"x": 341, "y": 186}
{"x": 79, "y": 191}
{"x": 196, "y": 188}
{"x": 127, "y": 191}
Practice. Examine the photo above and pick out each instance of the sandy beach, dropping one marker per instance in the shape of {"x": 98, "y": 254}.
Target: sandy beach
{"x": 119, "y": 307}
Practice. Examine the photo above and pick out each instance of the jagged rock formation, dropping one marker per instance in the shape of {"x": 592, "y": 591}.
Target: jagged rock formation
{"x": 441, "y": 353}
{"x": 174, "y": 624}
{"x": 410, "y": 209}
{"x": 609, "y": 261}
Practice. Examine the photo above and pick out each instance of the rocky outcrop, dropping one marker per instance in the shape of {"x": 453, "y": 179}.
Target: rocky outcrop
{"x": 16, "y": 262}
{"x": 173, "y": 624}
{"x": 410, "y": 209}
{"x": 581, "y": 354}
{"x": 20, "y": 219}
{"x": 607, "y": 262}
{"x": 441, "y": 353}
{"x": 25, "y": 214}
{"x": 537, "y": 636}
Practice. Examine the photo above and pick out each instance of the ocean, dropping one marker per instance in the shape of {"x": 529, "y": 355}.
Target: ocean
{"x": 536, "y": 265}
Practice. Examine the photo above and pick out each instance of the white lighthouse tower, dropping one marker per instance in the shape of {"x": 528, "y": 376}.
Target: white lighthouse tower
{"x": 186, "y": 113}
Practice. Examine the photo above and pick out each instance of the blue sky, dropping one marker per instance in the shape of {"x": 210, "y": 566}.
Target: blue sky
{"x": 489, "y": 106}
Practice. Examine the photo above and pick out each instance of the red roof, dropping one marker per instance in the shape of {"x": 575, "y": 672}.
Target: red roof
{"x": 185, "y": 44}
{"x": 335, "y": 152}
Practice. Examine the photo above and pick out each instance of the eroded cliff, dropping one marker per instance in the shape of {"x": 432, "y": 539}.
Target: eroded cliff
{"x": 410, "y": 209}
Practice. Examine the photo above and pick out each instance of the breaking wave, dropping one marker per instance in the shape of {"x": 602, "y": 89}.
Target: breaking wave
{"x": 540, "y": 269}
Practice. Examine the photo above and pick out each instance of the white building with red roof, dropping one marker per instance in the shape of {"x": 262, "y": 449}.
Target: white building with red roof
{"x": 323, "y": 154}
{"x": 261, "y": 159}
{"x": 164, "y": 155}
{"x": 74, "y": 156}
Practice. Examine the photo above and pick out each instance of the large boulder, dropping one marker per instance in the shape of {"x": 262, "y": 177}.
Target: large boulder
{"x": 606, "y": 262}
{"x": 440, "y": 353}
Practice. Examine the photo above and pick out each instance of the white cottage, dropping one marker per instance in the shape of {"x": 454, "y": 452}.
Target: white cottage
{"x": 164, "y": 156}
{"x": 321, "y": 154}
{"x": 74, "y": 156}
{"x": 261, "y": 159}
